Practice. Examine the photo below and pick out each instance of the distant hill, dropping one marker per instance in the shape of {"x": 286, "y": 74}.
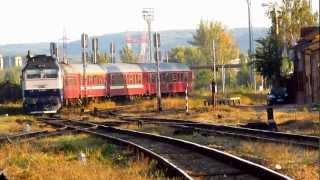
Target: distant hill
{"x": 169, "y": 39}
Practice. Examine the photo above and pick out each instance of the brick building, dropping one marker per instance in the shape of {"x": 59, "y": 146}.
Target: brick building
{"x": 307, "y": 66}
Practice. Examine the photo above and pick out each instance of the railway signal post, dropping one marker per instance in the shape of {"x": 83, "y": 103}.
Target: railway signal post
{"x": 84, "y": 45}
{"x": 156, "y": 40}
{"x": 112, "y": 52}
{"x": 213, "y": 83}
{"x": 187, "y": 100}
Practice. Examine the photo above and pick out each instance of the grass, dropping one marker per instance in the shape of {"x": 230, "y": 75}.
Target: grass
{"x": 57, "y": 158}
{"x": 13, "y": 120}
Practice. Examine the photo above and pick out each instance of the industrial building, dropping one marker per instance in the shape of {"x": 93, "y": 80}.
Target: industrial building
{"x": 307, "y": 66}
{"x": 1, "y": 62}
{"x": 10, "y": 62}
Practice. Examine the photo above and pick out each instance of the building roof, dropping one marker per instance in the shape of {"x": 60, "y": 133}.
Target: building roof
{"x": 309, "y": 39}
{"x": 308, "y": 33}
{"x": 164, "y": 67}
{"x": 78, "y": 69}
{"x": 121, "y": 68}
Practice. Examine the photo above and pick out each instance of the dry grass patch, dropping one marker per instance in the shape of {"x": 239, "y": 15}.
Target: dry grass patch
{"x": 299, "y": 163}
{"x": 57, "y": 158}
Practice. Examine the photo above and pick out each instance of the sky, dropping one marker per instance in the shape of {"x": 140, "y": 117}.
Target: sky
{"x": 29, "y": 21}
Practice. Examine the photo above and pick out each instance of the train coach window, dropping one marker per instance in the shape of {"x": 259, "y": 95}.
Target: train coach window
{"x": 180, "y": 77}
{"x": 33, "y": 74}
{"x": 50, "y": 73}
{"x": 164, "y": 77}
{"x": 185, "y": 77}
{"x": 153, "y": 78}
{"x": 139, "y": 79}
{"x": 174, "y": 77}
{"x": 129, "y": 78}
{"x": 117, "y": 79}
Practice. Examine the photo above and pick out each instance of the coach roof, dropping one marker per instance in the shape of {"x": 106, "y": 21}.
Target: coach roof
{"x": 121, "y": 68}
{"x": 78, "y": 69}
{"x": 164, "y": 67}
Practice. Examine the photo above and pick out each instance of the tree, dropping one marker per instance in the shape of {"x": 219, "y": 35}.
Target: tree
{"x": 12, "y": 75}
{"x": 271, "y": 56}
{"x": 243, "y": 75}
{"x": 226, "y": 48}
{"x": 202, "y": 54}
{"x": 186, "y": 55}
{"x": 128, "y": 56}
{"x": 290, "y": 17}
{"x": 103, "y": 58}
{"x": 268, "y": 57}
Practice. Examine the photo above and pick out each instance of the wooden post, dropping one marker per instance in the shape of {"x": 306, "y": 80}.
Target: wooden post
{"x": 271, "y": 121}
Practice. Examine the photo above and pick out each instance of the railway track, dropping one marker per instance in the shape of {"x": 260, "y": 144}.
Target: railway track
{"x": 181, "y": 158}
{"x": 2, "y": 176}
{"x": 212, "y": 129}
{"x": 36, "y": 134}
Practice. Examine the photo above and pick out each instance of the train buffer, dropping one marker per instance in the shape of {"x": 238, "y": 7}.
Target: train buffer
{"x": 225, "y": 101}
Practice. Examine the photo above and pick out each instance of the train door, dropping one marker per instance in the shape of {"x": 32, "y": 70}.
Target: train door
{"x": 72, "y": 86}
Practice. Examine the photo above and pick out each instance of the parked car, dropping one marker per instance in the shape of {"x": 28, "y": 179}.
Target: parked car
{"x": 277, "y": 96}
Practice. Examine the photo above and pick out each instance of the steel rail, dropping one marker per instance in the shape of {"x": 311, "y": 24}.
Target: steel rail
{"x": 256, "y": 134}
{"x": 146, "y": 142}
{"x": 3, "y": 176}
{"x": 36, "y": 134}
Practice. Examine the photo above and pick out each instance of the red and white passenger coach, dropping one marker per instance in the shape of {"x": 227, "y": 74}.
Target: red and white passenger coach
{"x": 174, "y": 78}
{"x": 74, "y": 87}
{"x": 124, "y": 79}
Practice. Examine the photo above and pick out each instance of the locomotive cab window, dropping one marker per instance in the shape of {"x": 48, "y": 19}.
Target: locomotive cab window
{"x": 50, "y": 73}
{"x": 33, "y": 74}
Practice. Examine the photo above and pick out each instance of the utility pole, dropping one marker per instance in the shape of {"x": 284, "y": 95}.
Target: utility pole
{"x": 148, "y": 16}
{"x": 223, "y": 73}
{"x": 156, "y": 40}
{"x": 252, "y": 76}
{"x": 95, "y": 46}
{"x": 53, "y": 50}
{"x": 64, "y": 47}
{"x": 214, "y": 82}
{"x": 167, "y": 56}
{"x": 112, "y": 52}
{"x": 84, "y": 45}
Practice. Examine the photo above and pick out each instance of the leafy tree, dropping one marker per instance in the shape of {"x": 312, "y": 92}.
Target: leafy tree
{"x": 291, "y": 16}
{"x": 203, "y": 78}
{"x": 225, "y": 46}
{"x": 201, "y": 51}
{"x": 128, "y": 56}
{"x": 243, "y": 74}
{"x": 12, "y": 75}
{"x": 287, "y": 21}
{"x": 2, "y": 74}
{"x": 268, "y": 58}
{"x": 186, "y": 55}
{"x": 103, "y": 58}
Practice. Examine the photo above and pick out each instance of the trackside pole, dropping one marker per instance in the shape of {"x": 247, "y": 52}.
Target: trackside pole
{"x": 187, "y": 100}
{"x": 271, "y": 122}
{"x": 156, "y": 40}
